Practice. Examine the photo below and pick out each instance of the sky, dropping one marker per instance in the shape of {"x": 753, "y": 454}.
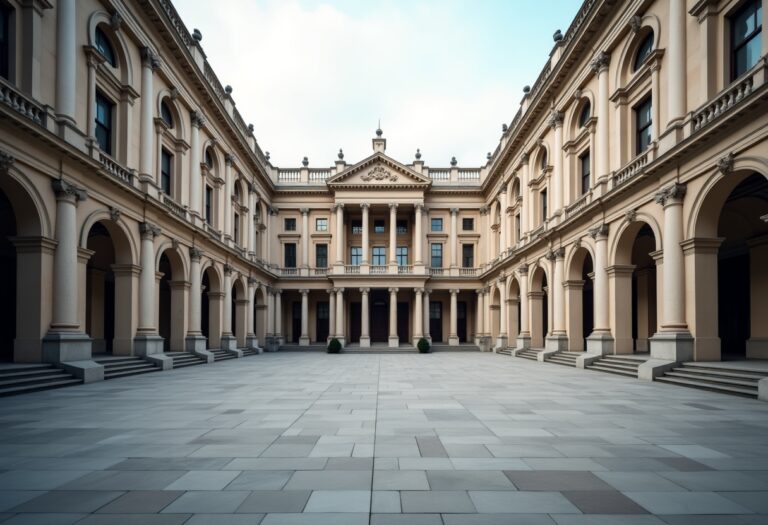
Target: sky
{"x": 314, "y": 76}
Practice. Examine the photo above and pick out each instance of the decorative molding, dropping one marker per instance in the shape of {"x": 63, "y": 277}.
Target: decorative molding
{"x": 630, "y": 216}
{"x": 6, "y": 162}
{"x": 304, "y": 211}
{"x": 198, "y": 120}
{"x": 600, "y": 62}
{"x": 65, "y": 190}
{"x": 148, "y": 230}
{"x": 725, "y": 164}
{"x": 672, "y": 193}
{"x": 454, "y": 211}
{"x": 635, "y": 23}
{"x": 598, "y": 231}
{"x": 365, "y": 291}
{"x": 150, "y": 58}
{"x": 195, "y": 253}
{"x": 229, "y": 159}
{"x": 228, "y": 269}
{"x": 380, "y": 174}
{"x": 394, "y": 290}
{"x": 555, "y": 119}
{"x": 304, "y": 291}
{"x": 523, "y": 269}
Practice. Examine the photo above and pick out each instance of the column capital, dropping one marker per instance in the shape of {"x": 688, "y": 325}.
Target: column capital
{"x": 273, "y": 210}
{"x": 304, "y": 292}
{"x": 672, "y": 194}
{"x": 6, "y": 162}
{"x": 418, "y": 207}
{"x": 524, "y": 158}
{"x": 600, "y": 231}
{"x": 600, "y": 62}
{"x": 228, "y": 269}
{"x": 503, "y": 188}
{"x": 559, "y": 253}
{"x": 479, "y": 291}
{"x": 229, "y": 159}
{"x": 365, "y": 291}
{"x": 197, "y": 118}
{"x": 252, "y": 282}
{"x": 454, "y": 211}
{"x": 337, "y": 206}
{"x": 418, "y": 291}
{"x": 304, "y": 211}
{"x": 454, "y": 291}
{"x": 393, "y": 290}
{"x": 555, "y": 119}
{"x": 523, "y": 269}
{"x": 277, "y": 291}
{"x": 331, "y": 291}
{"x": 68, "y": 192}
{"x": 339, "y": 290}
{"x": 148, "y": 230}
{"x": 149, "y": 58}
{"x": 195, "y": 253}
{"x": 392, "y": 206}
{"x": 364, "y": 205}
{"x": 725, "y": 164}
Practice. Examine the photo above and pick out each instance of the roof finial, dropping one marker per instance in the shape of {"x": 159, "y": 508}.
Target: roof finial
{"x": 378, "y": 130}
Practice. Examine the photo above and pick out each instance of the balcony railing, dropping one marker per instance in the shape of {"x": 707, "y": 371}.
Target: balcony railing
{"x": 289, "y": 176}
{"x": 439, "y": 174}
{"x": 174, "y": 206}
{"x": 577, "y": 206}
{"x": 213, "y": 231}
{"x": 378, "y": 269}
{"x": 319, "y": 175}
{"x": 469, "y": 174}
{"x": 436, "y": 271}
{"x": 320, "y": 272}
{"x": 351, "y": 269}
{"x": 405, "y": 270}
{"x": 116, "y": 170}
{"x": 632, "y": 169}
{"x": 289, "y": 272}
{"x": 22, "y": 104}
{"x": 468, "y": 272}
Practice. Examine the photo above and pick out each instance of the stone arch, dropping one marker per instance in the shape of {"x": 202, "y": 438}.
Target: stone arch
{"x": 177, "y": 256}
{"x": 620, "y": 248}
{"x": 494, "y": 307}
{"x": 126, "y": 249}
{"x": 165, "y": 95}
{"x": 239, "y": 309}
{"x": 572, "y": 119}
{"x": 173, "y": 296}
{"x": 513, "y": 309}
{"x": 579, "y": 295}
{"x": 626, "y": 56}
{"x": 539, "y": 304}
{"x": 118, "y": 41}
{"x": 537, "y": 158}
{"x": 212, "y": 146}
{"x": 30, "y": 211}
{"x": 211, "y": 302}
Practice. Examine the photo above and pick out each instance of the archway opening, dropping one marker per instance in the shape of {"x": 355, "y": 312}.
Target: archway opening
{"x": 580, "y": 299}
{"x": 539, "y": 308}
{"x": 587, "y": 299}
{"x": 7, "y": 285}
{"x": 643, "y": 290}
{"x": 164, "y": 312}
{"x": 100, "y": 289}
{"x": 205, "y": 289}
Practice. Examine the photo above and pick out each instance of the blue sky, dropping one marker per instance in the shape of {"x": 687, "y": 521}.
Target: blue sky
{"x": 314, "y": 76}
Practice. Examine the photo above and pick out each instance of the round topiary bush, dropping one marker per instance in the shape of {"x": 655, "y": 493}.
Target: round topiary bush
{"x": 423, "y": 346}
{"x": 334, "y": 346}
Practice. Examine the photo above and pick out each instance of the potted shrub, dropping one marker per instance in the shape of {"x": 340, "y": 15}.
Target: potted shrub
{"x": 423, "y": 346}
{"x": 334, "y": 346}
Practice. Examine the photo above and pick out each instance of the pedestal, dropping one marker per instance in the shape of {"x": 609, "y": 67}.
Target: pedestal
{"x": 66, "y": 346}
{"x": 672, "y": 346}
{"x": 501, "y": 342}
{"x": 271, "y": 344}
{"x": 394, "y": 341}
{"x": 453, "y": 340}
{"x": 304, "y": 340}
{"x": 757, "y": 348}
{"x": 523, "y": 342}
{"x": 600, "y": 343}
{"x": 365, "y": 341}
{"x": 195, "y": 343}
{"x": 228, "y": 342}
{"x": 556, "y": 343}
{"x": 147, "y": 344}
{"x": 252, "y": 342}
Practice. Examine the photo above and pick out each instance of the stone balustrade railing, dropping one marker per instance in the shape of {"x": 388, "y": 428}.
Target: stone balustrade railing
{"x": 289, "y": 176}
{"x": 116, "y": 170}
{"x": 21, "y": 104}
{"x": 405, "y": 270}
{"x": 174, "y": 206}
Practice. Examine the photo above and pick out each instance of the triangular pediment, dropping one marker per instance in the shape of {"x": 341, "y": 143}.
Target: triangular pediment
{"x": 378, "y": 171}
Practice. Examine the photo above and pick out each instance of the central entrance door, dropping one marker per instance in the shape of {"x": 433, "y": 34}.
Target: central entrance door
{"x": 402, "y": 322}
{"x": 379, "y": 316}
{"x": 461, "y": 321}
{"x": 321, "y": 321}
{"x": 354, "y": 322}
{"x": 436, "y": 321}
{"x": 295, "y": 322}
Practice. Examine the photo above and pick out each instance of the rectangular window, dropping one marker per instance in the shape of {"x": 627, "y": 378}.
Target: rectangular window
{"x": 402, "y": 256}
{"x": 378, "y": 226}
{"x": 643, "y": 121}
{"x": 584, "y": 160}
{"x": 543, "y": 205}
{"x": 321, "y": 224}
{"x": 468, "y": 224}
{"x": 435, "y": 309}
{"x": 379, "y": 256}
{"x": 290, "y": 225}
{"x": 236, "y": 228}
{"x": 166, "y": 163}
{"x": 517, "y": 227}
{"x": 104, "y": 109}
{"x": 468, "y": 255}
{"x": 746, "y": 29}
{"x": 6, "y": 12}
{"x": 208, "y": 204}
{"x": 355, "y": 255}
{"x": 437, "y": 255}
{"x": 437, "y": 224}
{"x": 321, "y": 256}
{"x": 290, "y": 255}
{"x": 402, "y": 226}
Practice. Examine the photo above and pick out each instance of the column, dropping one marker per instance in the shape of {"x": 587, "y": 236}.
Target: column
{"x": 557, "y": 338}
{"x": 94, "y": 59}
{"x": 487, "y": 315}
{"x": 488, "y": 237}
{"x": 251, "y": 220}
{"x": 365, "y": 335}
{"x": 453, "y": 337}
{"x": 479, "y": 318}
{"x": 304, "y": 338}
{"x": 251, "y": 339}
{"x": 675, "y": 53}
{"x": 195, "y": 340}
{"x": 418, "y": 319}
{"x": 524, "y": 337}
{"x": 454, "y": 238}
{"x": 502, "y": 340}
{"x": 527, "y": 201}
{"x": 655, "y": 99}
{"x": 147, "y": 340}
{"x": 600, "y": 341}
{"x": 195, "y": 195}
{"x": 393, "y": 236}
{"x": 66, "y": 60}
{"x": 556, "y": 122}
{"x": 269, "y": 331}
{"x": 340, "y": 334}
{"x": 602, "y": 154}
{"x": 304, "y": 237}
{"x": 228, "y": 341}
{"x": 418, "y": 242}
{"x": 229, "y": 159}
{"x": 331, "y": 313}
{"x": 504, "y": 233}
{"x": 394, "y": 340}
{"x": 339, "y": 234}
{"x": 279, "y": 317}
{"x": 366, "y": 248}
{"x": 272, "y": 212}
{"x": 149, "y": 62}
{"x": 427, "y": 335}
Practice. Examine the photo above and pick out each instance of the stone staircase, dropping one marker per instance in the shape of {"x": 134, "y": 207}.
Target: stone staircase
{"x": 115, "y": 367}
{"x": 505, "y": 351}
{"x": 564, "y": 358}
{"x": 529, "y": 353}
{"x": 735, "y": 381}
{"x": 222, "y": 355}
{"x": 184, "y": 359}
{"x": 249, "y": 351}
{"x": 617, "y": 364}
{"x": 463, "y": 347}
{"x": 22, "y": 379}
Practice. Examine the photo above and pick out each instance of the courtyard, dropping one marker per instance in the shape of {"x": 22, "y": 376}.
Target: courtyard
{"x": 451, "y": 438}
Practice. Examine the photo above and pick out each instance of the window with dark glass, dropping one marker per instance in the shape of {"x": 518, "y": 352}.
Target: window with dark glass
{"x": 746, "y": 29}
{"x": 517, "y": 227}
{"x": 357, "y": 226}
{"x": 586, "y": 113}
{"x": 165, "y": 114}
{"x": 544, "y": 159}
{"x": 209, "y": 158}
{"x": 379, "y": 256}
{"x": 585, "y": 172}
{"x": 208, "y": 204}
{"x": 166, "y": 167}
{"x": 104, "y": 47}
{"x": 322, "y": 310}
{"x": 237, "y": 193}
{"x": 643, "y": 51}
{"x": 402, "y": 255}
{"x": 402, "y": 226}
{"x": 6, "y": 14}
{"x": 437, "y": 255}
{"x": 321, "y": 224}
{"x": 104, "y": 110}
{"x": 435, "y": 309}
{"x": 290, "y": 225}
{"x": 290, "y": 255}
{"x": 643, "y": 121}
{"x": 378, "y": 226}
{"x": 468, "y": 224}
{"x": 544, "y": 205}
{"x": 468, "y": 255}
{"x": 355, "y": 255}
{"x": 321, "y": 255}
{"x": 236, "y": 228}
{"x": 437, "y": 224}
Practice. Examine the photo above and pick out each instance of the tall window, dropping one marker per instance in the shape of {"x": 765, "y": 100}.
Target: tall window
{"x": 517, "y": 227}
{"x": 355, "y": 255}
{"x": 104, "y": 110}
{"x": 643, "y": 121}
{"x": 209, "y": 158}
{"x": 544, "y": 159}
{"x": 166, "y": 165}
{"x": 586, "y": 113}
{"x": 437, "y": 224}
{"x": 468, "y": 224}
{"x": 321, "y": 224}
{"x": 378, "y": 226}
{"x": 402, "y": 255}
{"x": 321, "y": 255}
{"x": 236, "y": 228}
{"x": 6, "y": 14}
{"x": 437, "y": 255}
{"x": 746, "y": 28}
{"x": 643, "y": 51}
{"x": 290, "y": 225}
{"x": 208, "y": 204}
{"x": 290, "y": 255}
{"x": 468, "y": 255}
{"x": 585, "y": 172}
{"x": 165, "y": 114}
{"x": 402, "y": 226}
{"x": 543, "y": 205}
{"x": 357, "y": 226}
{"x": 379, "y": 256}
{"x": 104, "y": 47}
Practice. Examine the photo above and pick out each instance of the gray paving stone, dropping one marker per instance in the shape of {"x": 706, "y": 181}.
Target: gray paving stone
{"x": 431, "y": 447}
{"x": 65, "y": 501}
{"x": 639, "y": 481}
{"x": 754, "y": 501}
{"x": 316, "y": 519}
{"x": 686, "y": 503}
{"x": 43, "y": 519}
{"x": 385, "y": 502}
{"x": 406, "y": 519}
{"x": 206, "y": 502}
{"x": 521, "y": 502}
{"x": 260, "y": 480}
{"x": 556, "y": 481}
{"x": 400, "y": 480}
{"x": 329, "y": 480}
{"x": 608, "y": 519}
{"x": 497, "y": 519}
{"x": 468, "y": 480}
{"x": 124, "y": 480}
{"x": 12, "y": 498}
{"x": 269, "y": 501}
{"x": 603, "y": 502}
{"x": 38, "y": 479}
{"x": 141, "y": 502}
{"x": 339, "y": 501}
{"x": 436, "y": 501}
{"x": 225, "y": 519}
{"x": 135, "y": 519}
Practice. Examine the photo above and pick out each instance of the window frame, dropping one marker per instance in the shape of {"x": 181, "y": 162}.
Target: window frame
{"x": 108, "y": 128}
{"x": 323, "y": 221}
{"x": 544, "y": 204}
{"x": 436, "y": 254}
{"x": 379, "y": 226}
{"x": 401, "y": 255}
{"x": 166, "y": 113}
{"x": 166, "y": 171}
{"x": 104, "y": 46}
{"x": 401, "y": 226}
{"x": 585, "y": 114}
{"x": 735, "y": 47}
{"x": 471, "y": 224}
{"x": 378, "y": 255}
{"x": 585, "y": 176}
{"x": 356, "y": 226}
{"x": 208, "y": 204}
{"x": 467, "y": 260}
{"x": 7, "y": 46}
{"x": 436, "y": 221}
{"x": 318, "y": 257}
{"x": 639, "y": 130}
{"x": 287, "y": 248}
{"x": 289, "y": 224}
{"x": 643, "y": 51}
{"x": 355, "y": 255}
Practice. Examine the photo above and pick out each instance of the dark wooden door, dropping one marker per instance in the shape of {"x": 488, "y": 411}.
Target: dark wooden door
{"x": 354, "y": 322}
{"x": 403, "y": 311}
{"x": 379, "y": 317}
{"x": 461, "y": 321}
{"x": 321, "y": 321}
{"x": 296, "y": 322}
{"x": 436, "y": 321}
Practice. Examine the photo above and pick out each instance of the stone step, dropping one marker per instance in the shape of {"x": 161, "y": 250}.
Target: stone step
{"x": 12, "y": 391}
{"x": 618, "y": 371}
{"x": 723, "y": 372}
{"x": 128, "y": 366}
{"x": 529, "y": 354}
{"x": 11, "y": 381}
{"x": 712, "y": 387}
{"x": 562, "y": 361}
{"x": 504, "y": 351}
{"x": 116, "y": 361}
{"x": 617, "y": 366}
{"x": 132, "y": 372}
{"x": 42, "y": 372}
{"x": 622, "y": 361}
{"x": 25, "y": 369}
{"x": 716, "y": 379}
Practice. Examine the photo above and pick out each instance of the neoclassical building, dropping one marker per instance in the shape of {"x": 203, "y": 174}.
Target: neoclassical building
{"x": 624, "y": 210}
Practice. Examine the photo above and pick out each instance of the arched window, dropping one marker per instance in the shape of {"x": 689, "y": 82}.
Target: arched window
{"x": 544, "y": 160}
{"x": 209, "y": 158}
{"x": 165, "y": 113}
{"x": 643, "y": 51}
{"x": 237, "y": 193}
{"x": 586, "y": 113}
{"x": 104, "y": 46}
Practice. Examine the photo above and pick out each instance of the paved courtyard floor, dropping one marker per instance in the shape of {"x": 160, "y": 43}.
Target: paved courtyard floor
{"x": 446, "y": 438}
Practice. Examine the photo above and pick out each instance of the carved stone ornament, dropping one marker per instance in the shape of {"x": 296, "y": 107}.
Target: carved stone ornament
{"x": 523, "y": 269}
{"x": 630, "y": 216}
{"x": 673, "y": 192}
{"x": 148, "y": 230}
{"x": 725, "y": 164}
{"x": 228, "y": 269}
{"x": 195, "y": 253}
{"x": 635, "y": 23}
{"x": 600, "y": 62}
{"x": 114, "y": 214}
{"x": 6, "y": 162}
{"x": 598, "y": 231}
{"x": 175, "y": 244}
{"x": 380, "y": 174}
{"x": 555, "y": 119}
{"x": 115, "y": 21}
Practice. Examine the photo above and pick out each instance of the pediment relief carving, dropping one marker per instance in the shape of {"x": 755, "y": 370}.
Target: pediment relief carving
{"x": 379, "y": 173}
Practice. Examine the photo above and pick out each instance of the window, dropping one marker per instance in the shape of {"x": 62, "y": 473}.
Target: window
{"x": 643, "y": 121}
{"x": 321, "y": 225}
{"x": 746, "y": 26}
{"x": 104, "y": 47}
{"x": 165, "y": 114}
{"x": 237, "y": 193}
{"x": 585, "y": 172}
{"x": 402, "y": 256}
{"x": 544, "y": 159}
{"x": 468, "y": 255}
{"x": 437, "y": 225}
{"x": 104, "y": 110}
{"x": 6, "y": 14}
{"x": 643, "y": 51}
{"x": 402, "y": 226}
{"x": 586, "y": 114}
{"x": 356, "y": 255}
{"x": 468, "y": 224}
{"x": 379, "y": 256}
{"x": 208, "y": 204}
{"x": 378, "y": 226}
{"x": 435, "y": 309}
{"x": 517, "y": 227}
{"x": 321, "y": 256}
{"x": 290, "y": 255}
{"x": 322, "y": 310}
{"x": 236, "y": 228}
{"x": 357, "y": 226}
{"x": 437, "y": 255}
{"x": 166, "y": 163}
{"x": 290, "y": 225}
{"x": 209, "y": 158}
{"x": 543, "y": 205}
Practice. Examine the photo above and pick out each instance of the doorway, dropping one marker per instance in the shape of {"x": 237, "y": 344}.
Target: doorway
{"x": 436, "y": 321}
{"x": 321, "y": 321}
{"x": 295, "y": 321}
{"x": 355, "y": 321}
{"x": 402, "y": 322}
{"x": 461, "y": 321}
{"x": 379, "y": 316}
